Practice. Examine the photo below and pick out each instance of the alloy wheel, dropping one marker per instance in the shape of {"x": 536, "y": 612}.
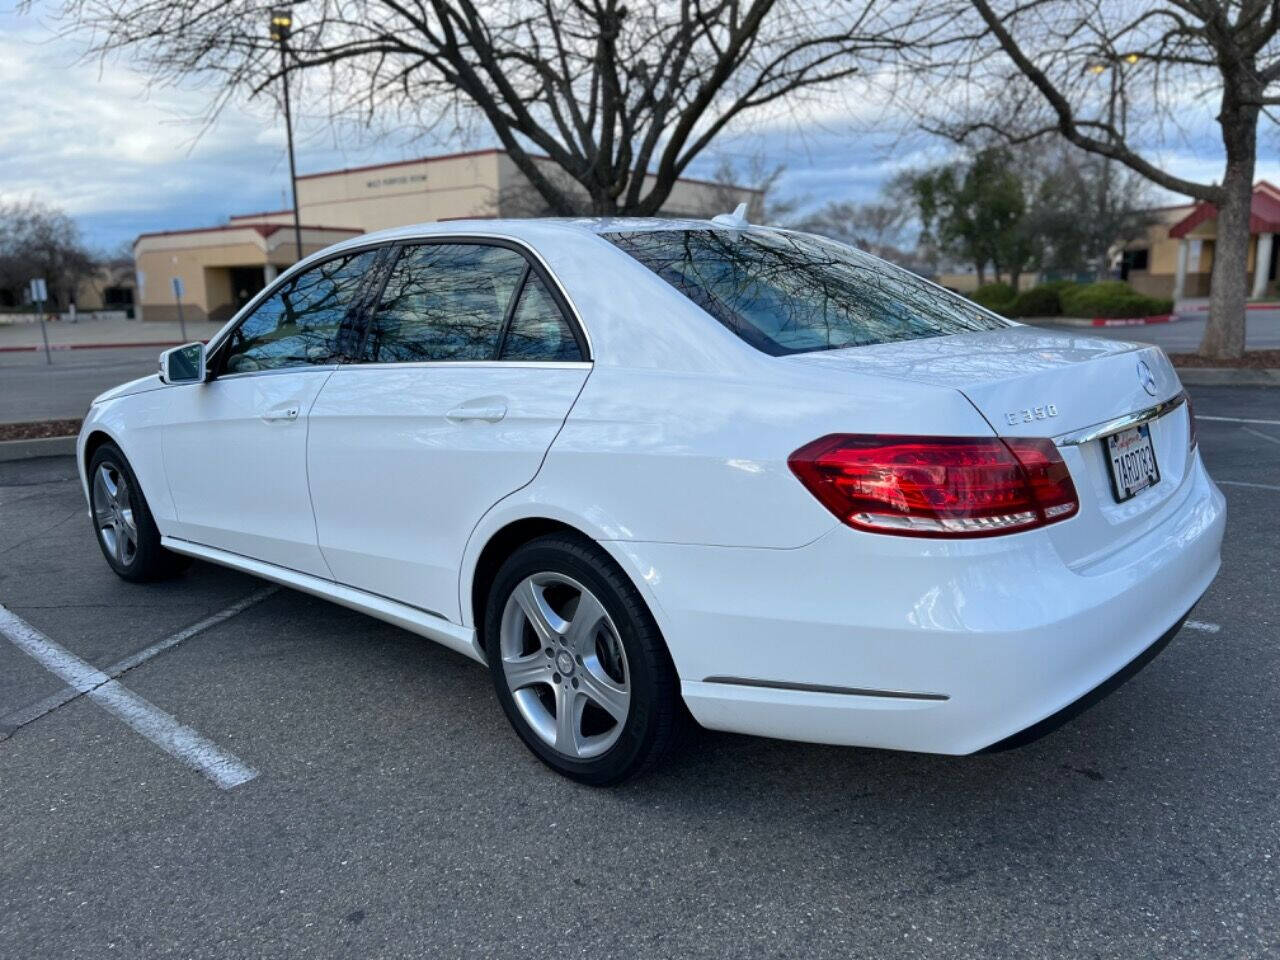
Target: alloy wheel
{"x": 113, "y": 514}
{"x": 565, "y": 665}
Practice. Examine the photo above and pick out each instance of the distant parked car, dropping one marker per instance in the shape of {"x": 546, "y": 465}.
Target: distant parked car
{"x": 639, "y": 466}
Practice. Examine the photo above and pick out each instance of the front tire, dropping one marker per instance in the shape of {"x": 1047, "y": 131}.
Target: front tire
{"x": 578, "y": 663}
{"x": 122, "y": 522}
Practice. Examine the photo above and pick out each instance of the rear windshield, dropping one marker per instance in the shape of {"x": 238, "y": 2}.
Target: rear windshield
{"x": 784, "y": 293}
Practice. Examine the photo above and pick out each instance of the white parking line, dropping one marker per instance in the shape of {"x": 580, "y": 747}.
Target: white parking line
{"x": 1259, "y": 433}
{"x": 1246, "y": 483}
{"x": 10, "y": 723}
{"x": 1202, "y": 626}
{"x": 1270, "y": 423}
{"x": 176, "y": 739}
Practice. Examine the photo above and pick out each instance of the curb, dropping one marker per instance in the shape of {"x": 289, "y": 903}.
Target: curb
{"x": 1270, "y": 305}
{"x": 1102, "y": 321}
{"x": 1228, "y": 377}
{"x": 42, "y": 447}
{"x": 91, "y": 346}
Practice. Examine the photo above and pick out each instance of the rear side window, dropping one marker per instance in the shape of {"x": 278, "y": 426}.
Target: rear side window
{"x": 792, "y": 294}
{"x": 444, "y": 301}
{"x": 298, "y": 324}
{"x": 538, "y": 330}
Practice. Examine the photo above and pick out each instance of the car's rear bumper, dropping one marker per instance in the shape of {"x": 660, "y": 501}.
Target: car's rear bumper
{"x": 943, "y": 647}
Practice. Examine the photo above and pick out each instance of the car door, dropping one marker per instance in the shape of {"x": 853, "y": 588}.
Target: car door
{"x": 235, "y": 447}
{"x": 468, "y": 368}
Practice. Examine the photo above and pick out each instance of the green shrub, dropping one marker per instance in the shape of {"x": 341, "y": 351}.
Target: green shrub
{"x": 994, "y": 296}
{"x": 1041, "y": 301}
{"x": 1111, "y": 298}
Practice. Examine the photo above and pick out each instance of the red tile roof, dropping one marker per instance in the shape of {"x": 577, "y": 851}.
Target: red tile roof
{"x": 1264, "y": 212}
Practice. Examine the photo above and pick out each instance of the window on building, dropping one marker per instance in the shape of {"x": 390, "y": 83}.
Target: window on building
{"x": 298, "y": 325}
{"x": 1136, "y": 259}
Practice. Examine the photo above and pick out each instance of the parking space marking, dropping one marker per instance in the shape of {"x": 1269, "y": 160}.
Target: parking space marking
{"x": 1202, "y": 626}
{"x": 1246, "y": 483}
{"x": 12, "y": 722}
{"x": 162, "y": 729}
{"x": 1259, "y": 433}
{"x": 1270, "y": 423}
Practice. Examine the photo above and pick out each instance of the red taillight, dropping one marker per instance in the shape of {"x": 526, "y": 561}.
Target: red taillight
{"x": 937, "y": 486}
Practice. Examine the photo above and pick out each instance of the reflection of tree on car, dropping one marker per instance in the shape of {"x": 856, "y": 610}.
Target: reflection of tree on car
{"x": 787, "y": 293}
{"x": 300, "y": 322}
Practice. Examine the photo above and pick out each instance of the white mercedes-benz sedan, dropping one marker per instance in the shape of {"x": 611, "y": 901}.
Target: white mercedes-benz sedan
{"x": 650, "y": 468}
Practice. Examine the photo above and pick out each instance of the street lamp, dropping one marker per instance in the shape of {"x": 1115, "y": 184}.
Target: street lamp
{"x": 1114, "y": 63}
{"x": 281, "y": 27}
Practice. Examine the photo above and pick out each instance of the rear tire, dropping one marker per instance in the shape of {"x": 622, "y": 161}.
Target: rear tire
{"x": 122, "y": 522}
{"x": 578, "y": 663}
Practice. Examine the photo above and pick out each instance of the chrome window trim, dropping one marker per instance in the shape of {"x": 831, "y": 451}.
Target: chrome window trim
{"x": 490, "y": 364}
{"x": 1116, "y": 424}
{"x": 278, "y": 371}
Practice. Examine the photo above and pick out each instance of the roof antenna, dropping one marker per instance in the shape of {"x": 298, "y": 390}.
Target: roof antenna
{"x": 736, "y": 219}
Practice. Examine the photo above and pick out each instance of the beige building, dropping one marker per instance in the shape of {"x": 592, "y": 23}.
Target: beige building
{"x": 221, "y": 268}
{"x": 1175, "y": 258}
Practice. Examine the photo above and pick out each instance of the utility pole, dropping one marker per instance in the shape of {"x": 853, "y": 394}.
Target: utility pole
{"x": 281, "y": 27}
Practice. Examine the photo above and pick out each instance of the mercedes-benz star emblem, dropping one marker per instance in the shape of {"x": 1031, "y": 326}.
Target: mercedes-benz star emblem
{"x": 1146, "y": 378}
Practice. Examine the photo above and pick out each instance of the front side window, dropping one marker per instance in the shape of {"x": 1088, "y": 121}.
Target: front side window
{"x": 538, "y": 330}
{"x": 784, "y": 293}
{"x": 444, "y": 301}
{"x": 298, "y": 324}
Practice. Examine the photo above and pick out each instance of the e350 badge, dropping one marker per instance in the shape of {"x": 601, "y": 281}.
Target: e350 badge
{"x": 1031, "y": 414}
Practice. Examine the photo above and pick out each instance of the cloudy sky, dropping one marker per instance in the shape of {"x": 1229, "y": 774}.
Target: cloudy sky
{"x": 123, "y": 159}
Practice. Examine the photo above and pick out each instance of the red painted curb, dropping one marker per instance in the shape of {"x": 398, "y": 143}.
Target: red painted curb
{"x": 1133, "y": 321}
{"x": 92, "y": 346}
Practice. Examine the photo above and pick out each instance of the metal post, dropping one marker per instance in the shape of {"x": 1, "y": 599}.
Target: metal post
{"x": 182, "y": 323}
{"x": 44, "y": 334}
{"x": 288, "y": 127}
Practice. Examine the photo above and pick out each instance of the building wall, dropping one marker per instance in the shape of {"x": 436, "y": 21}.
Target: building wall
{"x": 374, "y": 198}
{"x": 202, "y": 260}
{"x": 339, "y": 204}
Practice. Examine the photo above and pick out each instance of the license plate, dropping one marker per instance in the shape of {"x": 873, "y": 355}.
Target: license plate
{"x": 1133, "y": 462}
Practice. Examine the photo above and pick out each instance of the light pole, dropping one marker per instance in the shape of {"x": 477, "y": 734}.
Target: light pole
{"x": 1113, "y": 63}
{"x": 281, "y": 27}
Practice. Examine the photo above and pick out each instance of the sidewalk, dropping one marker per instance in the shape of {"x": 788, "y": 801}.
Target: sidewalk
{"x": 97, "y": 334}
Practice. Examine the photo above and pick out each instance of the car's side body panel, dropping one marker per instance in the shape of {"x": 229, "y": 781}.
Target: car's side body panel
{"x": 235, "y": 459}
{"x": 134, "y": 421}
{"x": 405, "y": 458}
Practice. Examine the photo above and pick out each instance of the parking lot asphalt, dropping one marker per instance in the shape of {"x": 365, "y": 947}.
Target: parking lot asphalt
{"x": 394, "y": 814}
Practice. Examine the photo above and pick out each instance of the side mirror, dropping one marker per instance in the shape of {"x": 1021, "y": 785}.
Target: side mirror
{"x": 184, "y": 364}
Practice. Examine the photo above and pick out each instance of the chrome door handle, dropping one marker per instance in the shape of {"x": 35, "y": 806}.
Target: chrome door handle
{"x": 282, "y": 413}
{"x": 489, "y": 412}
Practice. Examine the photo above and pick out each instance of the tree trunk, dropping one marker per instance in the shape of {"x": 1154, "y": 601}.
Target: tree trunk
{"x": 1015, "y": 274}
{"x": 982, "y": 273}
{"x": 1224, "y": 334}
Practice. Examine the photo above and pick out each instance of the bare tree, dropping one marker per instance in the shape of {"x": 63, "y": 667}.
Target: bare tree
{"x": 1025, "y": 69}
{"x": 607, "y": 91}
{"x": 39, "y": 241}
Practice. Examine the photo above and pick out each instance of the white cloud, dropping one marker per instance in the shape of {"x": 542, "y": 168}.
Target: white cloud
{"x": 124, "y": 158}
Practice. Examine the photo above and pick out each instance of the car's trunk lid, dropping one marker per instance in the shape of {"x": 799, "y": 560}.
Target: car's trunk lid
{"x": 1030, "y": 382}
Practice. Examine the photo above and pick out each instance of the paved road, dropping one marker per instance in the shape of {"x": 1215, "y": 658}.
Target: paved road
{"x": 1183, "y": 336}
{"x": 394, "y": 813}
{"x": 31, "y": 390}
